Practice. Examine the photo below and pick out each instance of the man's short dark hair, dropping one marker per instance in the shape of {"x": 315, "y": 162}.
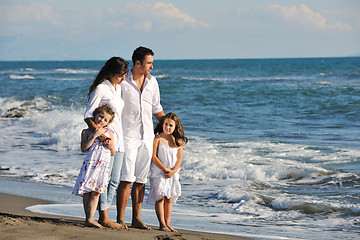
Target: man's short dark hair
{"x": 140, "y": 53}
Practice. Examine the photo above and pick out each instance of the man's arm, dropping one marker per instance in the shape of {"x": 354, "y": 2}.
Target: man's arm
{"x": 159, "y": 115}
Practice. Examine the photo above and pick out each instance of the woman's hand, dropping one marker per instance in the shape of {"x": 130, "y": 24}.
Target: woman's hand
{"x": 106, "y": 141}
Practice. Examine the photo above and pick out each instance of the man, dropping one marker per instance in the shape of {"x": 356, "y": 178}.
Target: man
{"x": 141, "y": 94}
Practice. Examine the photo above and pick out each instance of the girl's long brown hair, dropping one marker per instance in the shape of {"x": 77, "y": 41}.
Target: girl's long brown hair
{"x": 113, "y": 66}
{"x": 180, "y": 138}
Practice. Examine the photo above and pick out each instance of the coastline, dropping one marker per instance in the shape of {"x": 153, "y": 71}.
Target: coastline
{"x": 16, "y": 222}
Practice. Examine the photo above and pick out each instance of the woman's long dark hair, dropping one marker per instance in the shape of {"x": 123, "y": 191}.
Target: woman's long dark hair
{"x": 178, "y": 133}
{"x": 113, "y": 66}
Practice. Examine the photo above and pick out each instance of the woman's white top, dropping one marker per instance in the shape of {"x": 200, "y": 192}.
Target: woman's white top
{"x": 105, "y": 94}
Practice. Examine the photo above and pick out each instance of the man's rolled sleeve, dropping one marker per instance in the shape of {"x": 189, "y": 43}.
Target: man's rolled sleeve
{"x": 156, "y": 101}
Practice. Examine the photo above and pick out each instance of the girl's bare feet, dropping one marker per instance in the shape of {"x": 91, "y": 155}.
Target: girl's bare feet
{"x": 92, "y": 223}
{"x": 172, "y": 229}
{"x": 164, "y": 228}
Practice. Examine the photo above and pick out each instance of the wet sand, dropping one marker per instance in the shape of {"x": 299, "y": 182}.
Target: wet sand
{"x": 18, "y": 223}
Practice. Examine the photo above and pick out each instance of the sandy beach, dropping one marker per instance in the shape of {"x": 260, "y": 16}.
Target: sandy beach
{"x": 18, "y": 223}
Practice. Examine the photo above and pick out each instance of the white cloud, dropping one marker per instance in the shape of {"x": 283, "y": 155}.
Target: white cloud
{"x": 163, "y": 16}
{"x": 340, "y": 26}
{"x": 170, "y": 11}
{"x": 295, "y": 15}
{"x": 143, "y": 26}
{"x": 21, "y": 14}
{"x": 143, "y": 16}
{"x": 300, "y": 14}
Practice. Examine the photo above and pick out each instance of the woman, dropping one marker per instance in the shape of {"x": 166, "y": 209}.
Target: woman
{"x": 106, "y": 90}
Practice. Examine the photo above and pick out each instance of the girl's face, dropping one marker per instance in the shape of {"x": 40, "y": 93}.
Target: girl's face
{"x": 168, "y": 126}
{"x": 118, "y": 78}
{"x": 102, "y": 119}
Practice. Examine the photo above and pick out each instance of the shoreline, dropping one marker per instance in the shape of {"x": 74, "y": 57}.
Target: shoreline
{"x": 18, "y": 223}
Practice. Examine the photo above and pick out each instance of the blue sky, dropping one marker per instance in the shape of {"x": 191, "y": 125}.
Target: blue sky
{"x": 178, "y": 29}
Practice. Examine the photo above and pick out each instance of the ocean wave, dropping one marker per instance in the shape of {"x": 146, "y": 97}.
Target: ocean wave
{"x": 75, "y": 71}
{"x": 283, "y": 203}
{"x": 163, "y": 76}
{"x": 27, "y": 76}
{"x": 232, "y": 79}
{"x": 245, "y": 200}
{"x": 11, "y": 108}
{"x": 326, "y": 74}
{"x": 27, "y": 69}
{"x": 259, "y": 161}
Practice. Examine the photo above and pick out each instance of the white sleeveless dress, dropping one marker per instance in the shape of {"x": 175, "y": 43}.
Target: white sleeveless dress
{"x": 159, "y": 185}
{"x": 95, "y": 170}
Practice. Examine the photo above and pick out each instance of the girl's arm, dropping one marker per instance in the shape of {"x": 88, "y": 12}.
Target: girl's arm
{"x": 155, "y": 159}
{"x": 86, "y": 142}
{"x": 92, "y": 126}
{"x": 177, "y": 164}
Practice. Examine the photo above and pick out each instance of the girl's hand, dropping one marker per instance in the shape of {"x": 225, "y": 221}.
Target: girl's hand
{"x": 166, "y": 170}
{"x": 100, "y": 131}
{"x": 170, "y": 174}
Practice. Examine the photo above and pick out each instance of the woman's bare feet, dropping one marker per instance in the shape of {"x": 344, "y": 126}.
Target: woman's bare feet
{"x": 92, "y": 223}
{"x": 137, "y": 223}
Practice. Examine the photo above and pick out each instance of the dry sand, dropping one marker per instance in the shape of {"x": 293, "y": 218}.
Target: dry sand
{"x": 18, "y": 223}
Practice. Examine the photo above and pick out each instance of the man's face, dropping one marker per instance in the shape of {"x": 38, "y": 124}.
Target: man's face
{"x": 147, "y": 64}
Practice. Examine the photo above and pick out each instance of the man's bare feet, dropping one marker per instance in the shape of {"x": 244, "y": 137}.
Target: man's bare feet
{"x": 137, "y": 223}
{"x": 110, "y": 224}
{"x": 92, "y": 223}
{"x": 122, "y": 224}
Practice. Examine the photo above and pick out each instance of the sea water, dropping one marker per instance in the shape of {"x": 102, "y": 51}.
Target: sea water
{"x": 273, "y": 148}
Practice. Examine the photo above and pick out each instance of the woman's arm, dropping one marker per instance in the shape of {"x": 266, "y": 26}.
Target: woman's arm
{"x": 89, "y": 121}
{"x": 111, "y": 144}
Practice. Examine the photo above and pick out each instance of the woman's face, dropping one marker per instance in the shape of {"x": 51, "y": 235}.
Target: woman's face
{"x": 117, "y": 78}
{"x": 168, "y": 126}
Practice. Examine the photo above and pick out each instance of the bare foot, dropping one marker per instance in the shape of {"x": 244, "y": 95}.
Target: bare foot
{"x": 92, "y": 223}
{"x": 122, "y": 224}
{"x": 172, "y": 229}
{"x": 110, "y": 224}
{"x": 137, "y": 223}
{"x": 164, "y": 228}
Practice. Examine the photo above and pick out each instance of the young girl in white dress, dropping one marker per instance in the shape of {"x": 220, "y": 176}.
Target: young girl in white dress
{"x": 93, "y": 177}
{"x": 167, "y": 156}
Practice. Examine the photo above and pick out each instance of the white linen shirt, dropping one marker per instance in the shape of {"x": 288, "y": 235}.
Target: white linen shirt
{"x": 139, "y": 107}
{"x": 105, "y": 93}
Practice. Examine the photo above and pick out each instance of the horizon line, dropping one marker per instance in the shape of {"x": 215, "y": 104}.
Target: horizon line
{"x": 180, "y": 59}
